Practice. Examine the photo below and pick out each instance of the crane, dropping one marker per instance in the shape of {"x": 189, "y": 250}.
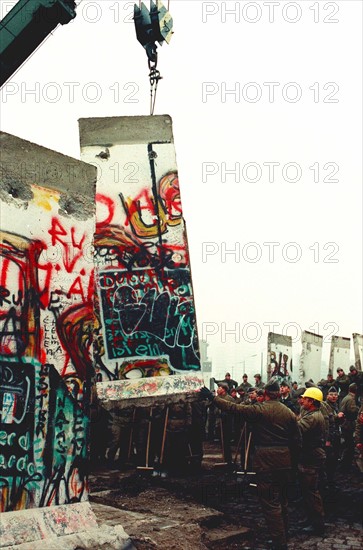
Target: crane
{"x": 26, "y": 26}
{"x": 29, "y": 23}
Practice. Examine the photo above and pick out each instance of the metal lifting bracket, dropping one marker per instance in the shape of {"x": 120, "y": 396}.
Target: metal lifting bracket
{"x": 154, "y": 25}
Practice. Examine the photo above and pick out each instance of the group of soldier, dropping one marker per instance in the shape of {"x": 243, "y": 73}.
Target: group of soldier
{"x": 309, "y": 431}
{"x": 294, "y": 435}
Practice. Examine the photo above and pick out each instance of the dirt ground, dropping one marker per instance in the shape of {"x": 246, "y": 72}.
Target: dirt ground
{"x": 213, "y": 508}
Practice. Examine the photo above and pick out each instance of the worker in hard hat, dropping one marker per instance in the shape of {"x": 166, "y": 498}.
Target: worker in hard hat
{"x": 277, "y": 438}
{"x": 312, "y": 428}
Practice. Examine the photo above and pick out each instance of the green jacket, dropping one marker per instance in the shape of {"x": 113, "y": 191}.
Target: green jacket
{"x": 312, "y": 429}
{"x": 349, "y": 407}
{"x": 274, "y": 432}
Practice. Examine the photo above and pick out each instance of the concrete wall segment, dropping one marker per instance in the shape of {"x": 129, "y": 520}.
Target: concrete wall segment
{"x": 109, "y": 131}
{"x": 47, "y": 222}
{"x": 28, "y": 163}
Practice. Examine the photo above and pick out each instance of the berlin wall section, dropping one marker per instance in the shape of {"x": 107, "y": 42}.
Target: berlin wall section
{"x": 46, "y": 319}
{"x": 144, "y": 306}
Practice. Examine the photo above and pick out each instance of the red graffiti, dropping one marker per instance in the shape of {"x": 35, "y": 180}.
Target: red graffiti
{"x": 76, "y": 288}
{"x": 69, "y": 257}
{"x": 75, "y": 328}
{"x": 109, "y": 204}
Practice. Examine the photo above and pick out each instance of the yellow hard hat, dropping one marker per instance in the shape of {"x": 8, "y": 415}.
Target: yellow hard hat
{"x": 313, "y": 393}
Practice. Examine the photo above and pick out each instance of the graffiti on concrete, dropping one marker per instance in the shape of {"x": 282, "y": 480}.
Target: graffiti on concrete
{"x": 46, "y": 286}
{"x": 145, "y": 303}
{"x": 280, "y": 357}
{"x": 151, "y": 316}
{"x": 46, "y": 318}
{"x": 43, "y": 431}
{"x": 148, "y": 387}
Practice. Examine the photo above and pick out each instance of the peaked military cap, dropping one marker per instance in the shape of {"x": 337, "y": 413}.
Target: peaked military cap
{"x": 272, "y": 385}
{"x": 333, "y": 390}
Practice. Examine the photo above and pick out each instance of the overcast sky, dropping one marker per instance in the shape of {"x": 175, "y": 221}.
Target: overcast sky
{"x": 265, "y": 99}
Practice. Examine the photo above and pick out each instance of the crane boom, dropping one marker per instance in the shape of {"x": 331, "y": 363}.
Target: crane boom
{"x": 25, "y": 27}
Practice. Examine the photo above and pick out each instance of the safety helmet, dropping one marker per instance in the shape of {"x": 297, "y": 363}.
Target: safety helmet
{"x": 313, "y": 393}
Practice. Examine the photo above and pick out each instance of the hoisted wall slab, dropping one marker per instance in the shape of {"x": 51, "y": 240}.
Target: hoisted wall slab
{"x": 148, "y": 343}
{"x": 358, "y": 350}
{"x": 339, "y": 354}
{"x": 279, "y": 353}
{"x": 310, "y": 357}
{"x": 46, "y": 319}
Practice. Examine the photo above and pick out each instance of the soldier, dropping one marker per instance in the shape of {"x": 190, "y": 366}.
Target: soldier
{"x": 241, "y": 393}
{"x": 349, "y": 408}
{"x": 177, "y": 437}
{"x": 258, "y": 382}
{"x": 356, "y": 377}
{"x": 226, "y": 423}
{"x": 251, "y": 397}
{"x": 276, "y": 438}
{"x": 285, "y": 398}
{"x": 260, "y": 396}
{"x": 326, "y": 384}
{"x": 121, "y": 422}
{"x": 233, "y": 393}
{"x": 245, "y": 384}
{"x": 312, "y": 428}
{"x": 342, "y": 384}
{"x": 294, "y": 387}
{"x": 332, "y": 446}
{"x": 227, "y": 380}
{"x": 197, "y": 432}
{"x": 299, "y": 393}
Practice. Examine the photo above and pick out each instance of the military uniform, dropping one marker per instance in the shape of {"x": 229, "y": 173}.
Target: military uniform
{"x": 358, "y": 380}
{"x": 350, "y": 410}
{"x": 121, "y": 422}
{"x": 312, "y": 428}
{"x": 325, "y": 386}
{"x": 227, "y": 428}
{"x": 290, "y": 403}
{"x": 244, "y": 386}
{"x": 332, "y": 447}
{"x": 197, "y": 431}
{"x": 259, "y": 384}
{"x": 275, "y": 435}
{"x": 177, "y": 436}
{"x": 229, "y": 381}
{"x": 342, "y": 383}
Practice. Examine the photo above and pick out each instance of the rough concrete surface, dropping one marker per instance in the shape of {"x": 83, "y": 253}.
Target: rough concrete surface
{"x": 108, "y": 131}
{"x": 24, "y": 163}
{"x": 103, "y": 538}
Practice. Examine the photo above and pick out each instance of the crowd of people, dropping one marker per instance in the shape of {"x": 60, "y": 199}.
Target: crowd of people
{"x": 287, "y": 435}
{"x": 310, "y": 431}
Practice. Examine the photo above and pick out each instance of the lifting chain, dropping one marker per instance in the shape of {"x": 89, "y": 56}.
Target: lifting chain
{"x": 154, "y": 25}
{"x": 154, "y": 77}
